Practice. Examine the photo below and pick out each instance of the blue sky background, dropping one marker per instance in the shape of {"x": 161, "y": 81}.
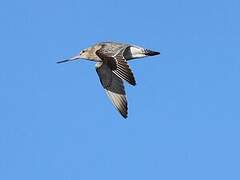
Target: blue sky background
{"x": 184, "y": 120}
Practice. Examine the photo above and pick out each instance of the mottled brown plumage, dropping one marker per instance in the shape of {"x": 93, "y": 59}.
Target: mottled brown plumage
{"x": 112, "y": 68}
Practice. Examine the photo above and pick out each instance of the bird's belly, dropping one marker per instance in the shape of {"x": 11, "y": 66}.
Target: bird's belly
{"x": 95, "y": 60}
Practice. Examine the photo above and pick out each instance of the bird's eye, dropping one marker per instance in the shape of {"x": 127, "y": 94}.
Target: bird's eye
{"x": 83, "y": 51}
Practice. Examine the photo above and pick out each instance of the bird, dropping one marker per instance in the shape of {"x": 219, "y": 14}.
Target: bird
{"x": 112, "y": 68}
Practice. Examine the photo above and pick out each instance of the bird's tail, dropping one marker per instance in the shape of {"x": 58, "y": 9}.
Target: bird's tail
{"x": 148, "y": 52}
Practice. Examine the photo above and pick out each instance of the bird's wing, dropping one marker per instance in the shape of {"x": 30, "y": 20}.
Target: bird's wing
{"x": 114, "y": 87}
{"x": 117, "y": 63}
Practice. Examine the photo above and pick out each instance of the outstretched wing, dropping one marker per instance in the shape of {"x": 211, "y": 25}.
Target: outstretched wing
{"x": 114, "y": 87}
{"x": 117, "y": 63}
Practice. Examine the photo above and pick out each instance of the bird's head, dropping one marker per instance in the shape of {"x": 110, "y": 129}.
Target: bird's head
{"x": 88, "y": 53}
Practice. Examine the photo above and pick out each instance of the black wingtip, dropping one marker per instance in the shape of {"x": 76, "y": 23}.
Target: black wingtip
{"x": 151, "y": 53}
{"x": 132, "y": 82}
{"x": 125, "y": 116}
{"x": 124, "y": 112}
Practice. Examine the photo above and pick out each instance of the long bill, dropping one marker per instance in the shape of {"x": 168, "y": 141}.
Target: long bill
{"x": 70, "y": 59}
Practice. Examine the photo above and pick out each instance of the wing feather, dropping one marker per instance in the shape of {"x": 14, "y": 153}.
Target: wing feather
{"x": 117, "y": 63}
{"x": 114, "y": 88}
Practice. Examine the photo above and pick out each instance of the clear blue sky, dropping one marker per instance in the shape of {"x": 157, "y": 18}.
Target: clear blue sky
{"x": 184, "y": 119}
